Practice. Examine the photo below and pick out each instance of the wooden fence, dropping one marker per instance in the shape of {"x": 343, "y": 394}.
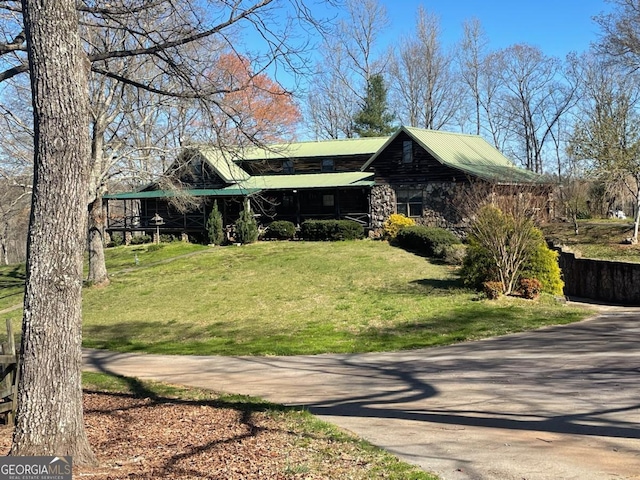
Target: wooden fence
{"x": 9, "y": 373}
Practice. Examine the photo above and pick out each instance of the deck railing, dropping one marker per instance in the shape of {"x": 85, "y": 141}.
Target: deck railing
{"x": 191, "y": 222}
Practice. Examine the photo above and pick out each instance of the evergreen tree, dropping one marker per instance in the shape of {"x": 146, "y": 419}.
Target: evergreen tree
{"x": 214, "y": 226}
{"x": 374, "y": 120}
{"x": 246, "y": 226}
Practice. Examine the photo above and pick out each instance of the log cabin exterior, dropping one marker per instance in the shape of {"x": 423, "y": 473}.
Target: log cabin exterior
{"x": 416, "y": 172}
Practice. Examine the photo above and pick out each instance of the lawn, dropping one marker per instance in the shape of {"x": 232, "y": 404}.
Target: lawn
{"x": 287, "y": 298}
{"x": 597, "y": 238}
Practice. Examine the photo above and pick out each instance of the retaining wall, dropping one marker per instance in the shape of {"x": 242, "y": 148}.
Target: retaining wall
{"x": 604, "y": 280}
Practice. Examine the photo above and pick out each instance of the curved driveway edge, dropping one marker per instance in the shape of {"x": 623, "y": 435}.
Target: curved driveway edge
{"x": 556, "y": 403}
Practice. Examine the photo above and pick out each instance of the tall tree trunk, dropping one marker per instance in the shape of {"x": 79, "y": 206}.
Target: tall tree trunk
{"x": 636, "y": 219}
{"x": 97, "y": 266}
{"x": 50, "y": 414}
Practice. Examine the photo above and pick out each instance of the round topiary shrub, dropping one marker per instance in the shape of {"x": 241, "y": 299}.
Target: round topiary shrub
{"x": 280, "y": 230}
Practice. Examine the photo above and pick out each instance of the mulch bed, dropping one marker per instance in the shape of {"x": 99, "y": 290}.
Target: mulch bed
{"x": 142, "y": 438}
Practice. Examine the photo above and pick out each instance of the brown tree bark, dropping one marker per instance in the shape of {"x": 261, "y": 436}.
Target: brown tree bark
{"x": 50, "y": 415}
{"x": 97, "y": 275}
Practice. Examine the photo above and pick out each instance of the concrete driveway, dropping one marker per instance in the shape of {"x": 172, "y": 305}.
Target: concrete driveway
{"x": 557, "y": 403}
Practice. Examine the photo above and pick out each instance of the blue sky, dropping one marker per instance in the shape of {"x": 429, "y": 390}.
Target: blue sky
{"x": 556, "y": 26}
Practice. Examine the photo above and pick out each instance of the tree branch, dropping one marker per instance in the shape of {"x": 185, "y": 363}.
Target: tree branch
{"x": 159, "y": 47}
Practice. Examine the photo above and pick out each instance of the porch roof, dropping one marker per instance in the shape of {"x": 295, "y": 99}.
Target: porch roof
{"x": 310, "y": 180}
{"x": 257, "y": 184}
{"x": 232, "y": 191}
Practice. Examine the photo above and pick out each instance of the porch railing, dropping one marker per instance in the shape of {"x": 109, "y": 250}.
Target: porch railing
{"x": 199, "y": 222}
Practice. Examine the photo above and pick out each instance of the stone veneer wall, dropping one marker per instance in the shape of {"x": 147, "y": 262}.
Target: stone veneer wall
{"x": 383, "y": 204}
{"x": 604, "y": 280}
{"x": 437, "y": 202}
{"x": 437, "y": 205}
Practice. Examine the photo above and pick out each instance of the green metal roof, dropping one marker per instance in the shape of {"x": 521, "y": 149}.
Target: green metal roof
{"x": 257, "y": 184}
{"x": 333, "y": 148}
{"x": 231, "y": 191}
{"x": 310, "y": 180}
{"x": 469, "y": 153}
{"x": 222, "y": 163}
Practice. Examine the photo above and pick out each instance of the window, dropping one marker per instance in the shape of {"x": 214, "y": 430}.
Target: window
{"x": 328, "y": 165}
{"x": 287, "y": 166}
{"x": 407, "y": 151}
{"x": 409, "y": 202}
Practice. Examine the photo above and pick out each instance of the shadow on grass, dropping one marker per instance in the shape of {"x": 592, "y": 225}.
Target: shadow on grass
{"x": 13, "y": 278}
{"x": 160, "y": 393}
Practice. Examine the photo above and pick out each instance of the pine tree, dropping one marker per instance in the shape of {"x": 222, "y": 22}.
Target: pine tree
{"x": 246, "y": 226}
{"x": 214, "y": 226}
{"x": 374, "y": 119}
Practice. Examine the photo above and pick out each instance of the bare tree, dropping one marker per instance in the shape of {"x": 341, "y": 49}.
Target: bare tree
{"x": 163, "y": 33}
{"x": 471, "y": 58}
{"x": 14, "y": 218}
{"x": 607, "y": 133}
{"x": 425, "y": 89}
{"x": 16, "y": 172}
{"x": 534, "y": 99}
{"x": 349, "y": 58}
{"x": 620, "y": 37}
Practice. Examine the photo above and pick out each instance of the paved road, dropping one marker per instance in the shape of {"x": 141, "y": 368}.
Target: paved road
{"x": 557, "y": 403}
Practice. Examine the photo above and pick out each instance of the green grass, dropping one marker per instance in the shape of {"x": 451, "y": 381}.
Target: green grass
{"x": 124, "y": 258}
{"x": 597, "y": 238}
{"x": 287, "y": 298}
{"x": 11, "y": 285}
{"x": 321, "y": 442}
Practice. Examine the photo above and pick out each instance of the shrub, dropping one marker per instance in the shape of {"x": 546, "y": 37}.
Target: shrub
{"x": 530, "y": 288}
{"x": 543, "y": 266}
{"x": 215, "y": 229}
{"x": 154, "y": 247}
{"x": 140, "y": 239}
{"x": 167, "y": 238}
{"x": 503, "y": 248}
{"x": 117, "y": 239}
{"x": 451, "y": 254}
{"x": 394, "y": 223}
{"x": 478, "y": 267}
{"x": 492, "y": 290}
{"x": 429, "y": 241}
{"x": 331, "y": 230}
{"x": 281, "y": 230}
{"x": 246, "y": 226}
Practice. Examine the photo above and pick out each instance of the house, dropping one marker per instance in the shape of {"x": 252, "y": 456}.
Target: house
{"x": 417, "y": 172}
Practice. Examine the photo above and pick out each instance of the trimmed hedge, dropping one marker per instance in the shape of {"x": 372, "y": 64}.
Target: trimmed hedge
{"x": 429, "y": 241}
{"x": 331, "y": 230}
{"x": 280, "y": 230}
